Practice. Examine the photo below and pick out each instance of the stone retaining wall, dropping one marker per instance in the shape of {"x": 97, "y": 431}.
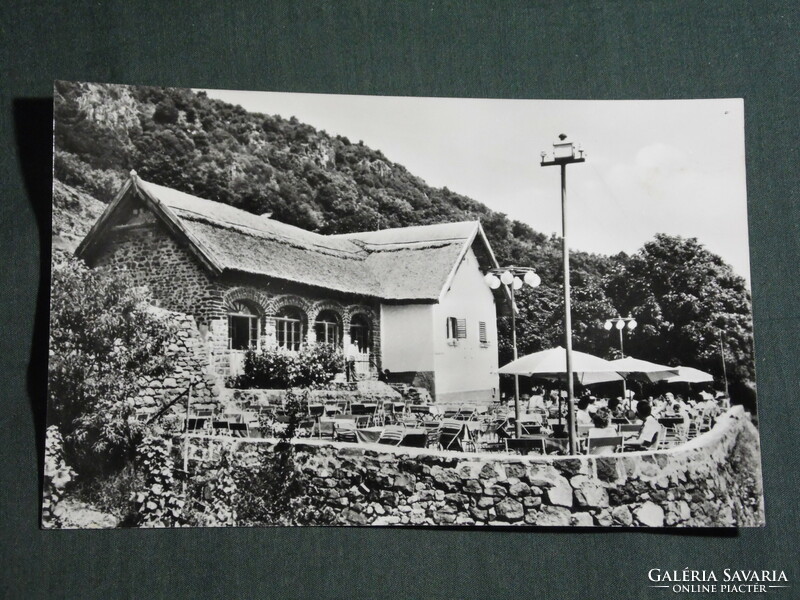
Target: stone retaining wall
{"x": 191, "y": 362}
{"x": 714, "y": 481}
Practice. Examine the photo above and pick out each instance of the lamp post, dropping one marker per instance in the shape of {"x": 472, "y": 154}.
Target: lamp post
{"x": 513, "y": 278}
{"x": 563, "y": 155}
{"x": 621, "y": 323}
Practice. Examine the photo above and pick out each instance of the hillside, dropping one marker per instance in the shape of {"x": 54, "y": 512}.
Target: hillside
{"x": 308, "y": 178}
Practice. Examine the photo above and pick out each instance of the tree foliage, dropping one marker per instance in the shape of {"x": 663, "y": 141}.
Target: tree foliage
{"x": 103, "y": 338}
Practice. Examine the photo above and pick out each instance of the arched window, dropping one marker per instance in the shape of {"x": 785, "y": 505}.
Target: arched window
{"x": 328, "y": 328}
{"x": 360, "y": 333}
{"x": 290, "y": 327}
{"x": 242, "y": 326}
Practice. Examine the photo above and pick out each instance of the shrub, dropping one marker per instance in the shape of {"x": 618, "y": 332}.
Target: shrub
{"x": 275, "y": 368}
{"x": 57, "y": 475}
{"x": 272, "y": 491}
{"x": 157, "y": 503}
{"x": 104, "y": 337}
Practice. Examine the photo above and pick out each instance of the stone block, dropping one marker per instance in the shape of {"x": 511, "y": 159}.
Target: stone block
{"x": 588, "y": 492}
{"x": 560, "y": 492}
{"x": 650, "y": 515}
{"x": 519, "y": 490}
{"x": 553, "y": 516}
{"x": 509, "y": 509}
{"x": 622, "y": 515}
{"x": 582, "y": 519}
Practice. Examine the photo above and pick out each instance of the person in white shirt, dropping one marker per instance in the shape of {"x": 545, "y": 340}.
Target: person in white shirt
{"x": 582, "y": 416}
{"x": 648, "y": 434}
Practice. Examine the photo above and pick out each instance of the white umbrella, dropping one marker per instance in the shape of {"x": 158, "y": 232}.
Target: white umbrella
{"x": 552, "y": 364}
{"x": 689, "y": 375}
{"x": 650, "y": 371}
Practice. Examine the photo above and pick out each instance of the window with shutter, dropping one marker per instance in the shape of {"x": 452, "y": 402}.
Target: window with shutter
{"x": 482, "y": 333}
{"x": 461, "y": 329}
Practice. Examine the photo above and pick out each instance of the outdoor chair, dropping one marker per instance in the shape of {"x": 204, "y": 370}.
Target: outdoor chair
{"x": 455, "y": 435}
{"x": 345, "y": 431}
{"x": 392, "y": 435}
{"x": 525, "y": 445}
{"x": 603, "y": 445}
{"x": 316, "y": 410}
{"x": 219, "y": 427}
{"x": 628, "y": 428}
{"x": 240, "y": 429}
{"x": 196, "y": 423}
{"x": 432, "y": 438}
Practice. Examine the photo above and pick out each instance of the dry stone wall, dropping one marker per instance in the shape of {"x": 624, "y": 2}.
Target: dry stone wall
{"x": 714, "y": 481}
{"x": 190, "y": 356}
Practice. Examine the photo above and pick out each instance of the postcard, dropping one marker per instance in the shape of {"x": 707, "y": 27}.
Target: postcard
{"x": 305, "y": 309}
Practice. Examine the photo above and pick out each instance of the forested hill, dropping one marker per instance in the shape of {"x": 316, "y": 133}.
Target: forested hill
{"x": 305, "y": 177}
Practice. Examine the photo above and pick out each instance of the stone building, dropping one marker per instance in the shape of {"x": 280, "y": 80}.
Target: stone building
{"x": 411, "y": 300}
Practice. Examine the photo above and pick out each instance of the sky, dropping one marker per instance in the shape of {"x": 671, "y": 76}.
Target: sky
{"x": 652, "y": 166}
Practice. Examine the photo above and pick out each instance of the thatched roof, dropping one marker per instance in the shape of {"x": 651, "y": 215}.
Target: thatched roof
{"x": 410, "y": 263}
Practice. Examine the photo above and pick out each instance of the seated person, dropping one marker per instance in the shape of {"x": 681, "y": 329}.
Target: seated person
{"x": 603, "y": 429}
{"x": 648, "y": 434}
{"x": 582, "y": 416}
{"x": 616, "y": 409}
{"x": 601, "y": 420}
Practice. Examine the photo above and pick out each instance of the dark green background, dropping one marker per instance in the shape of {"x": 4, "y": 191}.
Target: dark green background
{"x": 562, "y": 49}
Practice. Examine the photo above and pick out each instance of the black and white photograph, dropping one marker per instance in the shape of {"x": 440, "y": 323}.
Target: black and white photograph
{"x": 282, "y": 309}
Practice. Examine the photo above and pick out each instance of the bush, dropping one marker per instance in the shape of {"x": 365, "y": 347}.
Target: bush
{"x": 312, "y": 366}
{"x": 158, "y": 504}
{"x": 104, "y": 337}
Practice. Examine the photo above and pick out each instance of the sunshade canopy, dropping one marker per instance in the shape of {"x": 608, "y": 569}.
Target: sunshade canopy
{"x": 690, "y": 375}
{"x": 552, "y": 364}
{"x": 643, "y": 369}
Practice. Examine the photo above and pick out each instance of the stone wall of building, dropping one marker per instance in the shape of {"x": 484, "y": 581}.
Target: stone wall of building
{"x": 191, "y": 363}
{"x": 175, "y": 278}
{"x": 177, "y": 281}
{"x": 714, "y": 481}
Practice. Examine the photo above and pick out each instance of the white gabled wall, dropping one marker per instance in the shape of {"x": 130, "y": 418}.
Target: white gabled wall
{"x": 407, "y": 337}
{"x": 466, "y": 371}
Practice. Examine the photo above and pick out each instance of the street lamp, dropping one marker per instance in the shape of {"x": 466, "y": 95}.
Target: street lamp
{"x": 514, "y": 278}
{"x": 621, "y": 324}
{"x": 563, "y": 155}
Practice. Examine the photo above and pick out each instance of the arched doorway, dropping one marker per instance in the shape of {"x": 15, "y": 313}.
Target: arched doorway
{"x": 243, "y": 328}
{"x": 360, "y": 344}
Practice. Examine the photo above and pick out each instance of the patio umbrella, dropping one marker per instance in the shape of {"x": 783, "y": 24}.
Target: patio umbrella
{"x": 644, "y": 369}
{"x": 689, "y": 375}
{"x": 552, "y": 364}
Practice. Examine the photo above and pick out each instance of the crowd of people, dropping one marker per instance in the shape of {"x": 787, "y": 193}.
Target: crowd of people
{"x": 601, "y": 417}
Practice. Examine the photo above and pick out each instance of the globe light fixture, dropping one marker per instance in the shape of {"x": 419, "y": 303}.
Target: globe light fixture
{"x": 621, "y": 323}
{"x": 532, "y": 279}
{"x": 492, "y": 281}
{"x": 515, "y": 278}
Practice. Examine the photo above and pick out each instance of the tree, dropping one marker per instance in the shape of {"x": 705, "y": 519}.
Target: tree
{"x": 103, "y": 338}
{"x": 685, "y": 298}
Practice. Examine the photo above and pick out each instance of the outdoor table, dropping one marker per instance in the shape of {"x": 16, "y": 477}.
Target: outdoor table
{"x": 671, "y": 421}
